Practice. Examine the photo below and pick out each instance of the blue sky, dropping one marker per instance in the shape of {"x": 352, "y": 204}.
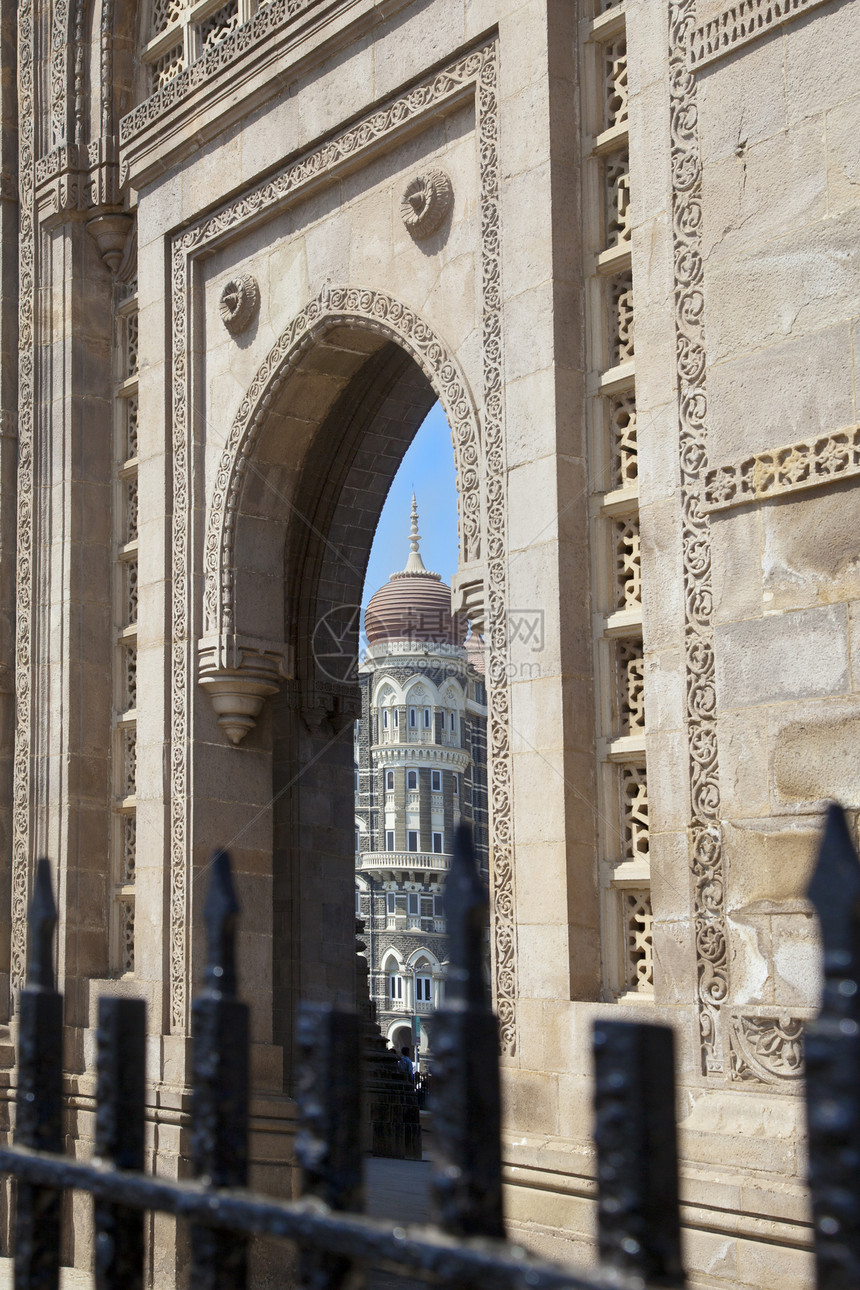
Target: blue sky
{"x": 428, "y": 467}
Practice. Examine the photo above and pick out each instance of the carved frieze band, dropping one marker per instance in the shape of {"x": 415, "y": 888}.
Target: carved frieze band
{"x": 705, "y": 829}
{"x": 24, "y": 585}
{"x": 740, "y": 23}
{"x": 766, "y": 1050}
{"x": 268, "y": 19}
{"x": 477, "y": 70}
{"x": 809, "y": 464}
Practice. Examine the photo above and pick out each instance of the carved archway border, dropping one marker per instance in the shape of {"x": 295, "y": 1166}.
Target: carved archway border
{"x": 335, "y": 306}
{"x": 476, "y": 70}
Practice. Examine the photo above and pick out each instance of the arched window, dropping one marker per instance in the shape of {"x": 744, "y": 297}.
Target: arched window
{"x": 389, "y": 781}
{"x": 412, "y": 779}
{"x": 426, "y": 718}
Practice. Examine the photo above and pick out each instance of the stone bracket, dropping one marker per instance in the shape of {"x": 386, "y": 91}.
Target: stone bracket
{"x": 239, "y": 673}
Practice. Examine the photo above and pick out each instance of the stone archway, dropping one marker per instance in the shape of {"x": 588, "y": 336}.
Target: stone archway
{"x": 298, "y": 490}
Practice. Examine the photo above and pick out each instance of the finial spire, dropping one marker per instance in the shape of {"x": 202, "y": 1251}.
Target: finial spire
{"x": 414, "y": 564}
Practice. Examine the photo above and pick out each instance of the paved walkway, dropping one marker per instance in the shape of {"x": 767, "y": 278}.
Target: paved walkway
{"x": 399, "y": 1190}
{"x": 395, "y": 1189}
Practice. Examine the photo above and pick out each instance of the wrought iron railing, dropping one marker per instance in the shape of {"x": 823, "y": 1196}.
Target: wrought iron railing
{"x": 637, "y": 1174}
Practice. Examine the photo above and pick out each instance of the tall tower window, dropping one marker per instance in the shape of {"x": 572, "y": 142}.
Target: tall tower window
{"x": 412, "y": 840}
{"x": 412, "y": 779}
{"x": 413, "y": 718}
{"x": 426, "y": 718}
{"x": 437, "y": 843}
{"x": 436, "y": 781}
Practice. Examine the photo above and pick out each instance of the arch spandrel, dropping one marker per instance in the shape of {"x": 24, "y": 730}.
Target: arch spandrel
{"x": 239, "y": 643}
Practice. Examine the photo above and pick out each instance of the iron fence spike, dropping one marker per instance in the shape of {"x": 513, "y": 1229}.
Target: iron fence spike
{"x": 834, "y": 890}
{"x": 221, "y": 913}
{"x": 42, "y": 917}
{"x": 466, "y": 907}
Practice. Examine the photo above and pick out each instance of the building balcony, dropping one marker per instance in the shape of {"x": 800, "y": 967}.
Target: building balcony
{"x": 423, "y": 1007}
{"x": 370, "y": 860}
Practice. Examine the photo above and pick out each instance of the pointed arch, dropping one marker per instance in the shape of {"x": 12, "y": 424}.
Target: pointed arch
{"x": 334, "y": 308}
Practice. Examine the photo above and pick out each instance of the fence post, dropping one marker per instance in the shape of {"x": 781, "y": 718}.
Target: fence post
{"x": 39, "y": 1100}
{"x": 832, "y": 1052}
{"x": 120, "y": 1137}
{"x": 219, "y": 1108}
{"x": 467, "y": 1182}
{"x": 637, "y": 1158}
{"x": 328, "y": 1145}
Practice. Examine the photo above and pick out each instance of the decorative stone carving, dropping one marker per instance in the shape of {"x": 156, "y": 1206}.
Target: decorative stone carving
{"x": 425, "y": 202}
{"x": 478, "y": 70}
{"x": 766, "y": 1050}
{"x": 739, "y": 23}
{"x": 825, "y": 460}
{"x": 25, "y": 577}
{"x": 238, "y": 674}
{"x": 111, "y": 233}
{"x": 240, "y": 301}
{"x": 705, "y": 829}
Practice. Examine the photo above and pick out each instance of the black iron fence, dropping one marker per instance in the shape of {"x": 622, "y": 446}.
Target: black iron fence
{"x": 638, "y": 1222}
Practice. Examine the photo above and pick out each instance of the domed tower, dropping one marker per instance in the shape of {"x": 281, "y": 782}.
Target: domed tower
{"x": 421, "y": 768}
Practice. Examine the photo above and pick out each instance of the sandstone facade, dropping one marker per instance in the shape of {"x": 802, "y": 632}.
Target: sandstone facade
{"x": 244, "y": 249}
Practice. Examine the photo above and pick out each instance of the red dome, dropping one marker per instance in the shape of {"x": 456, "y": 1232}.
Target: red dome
{"x": 413, "y": 607}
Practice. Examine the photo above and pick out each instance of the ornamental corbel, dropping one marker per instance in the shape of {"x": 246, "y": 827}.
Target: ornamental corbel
{"x": 239, "y": 673}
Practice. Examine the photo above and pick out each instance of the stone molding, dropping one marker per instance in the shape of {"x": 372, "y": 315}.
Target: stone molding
{"x": 767, "y": 1049}
{"x": 812, "y": 463}
{"x": 739, "y": 24}
{"x": 704, "y": 826}
{"x": 477, "y": 72}
{"x": 25, "y": 587}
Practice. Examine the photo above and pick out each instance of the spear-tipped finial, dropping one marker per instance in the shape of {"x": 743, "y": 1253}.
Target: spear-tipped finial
{"x": 42, "y": 917}
{"x": 221, "y": 913}
{"x": 466, "y": 904}
{"x": 414, "y": 564}
{"x": 834, "y": 890}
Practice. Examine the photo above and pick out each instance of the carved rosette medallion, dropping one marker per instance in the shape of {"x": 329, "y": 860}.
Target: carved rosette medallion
{"x": 426, "y": 201}
{"x": 239, "y": 303}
